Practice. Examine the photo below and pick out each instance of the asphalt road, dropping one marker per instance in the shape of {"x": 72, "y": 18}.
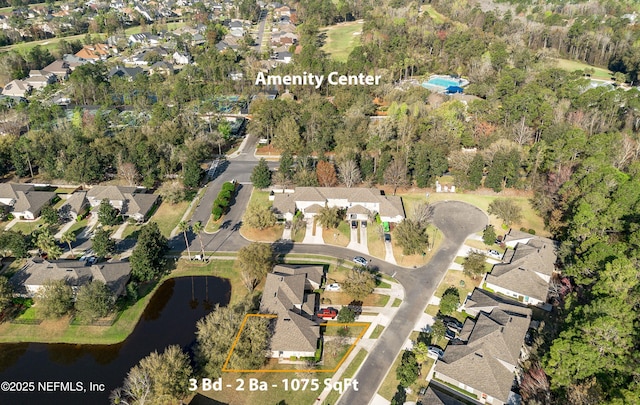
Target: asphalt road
{"x": 456, "y": 220}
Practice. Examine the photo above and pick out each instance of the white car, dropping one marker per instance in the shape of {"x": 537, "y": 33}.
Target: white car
{"x": 360, "y": 260}
{"x": 332, "y": 287}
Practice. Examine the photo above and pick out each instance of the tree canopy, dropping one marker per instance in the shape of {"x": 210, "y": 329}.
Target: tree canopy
{"x": 147, "y": 259}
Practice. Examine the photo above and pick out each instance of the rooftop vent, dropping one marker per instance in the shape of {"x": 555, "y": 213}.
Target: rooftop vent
{"x": 479, "y": 355}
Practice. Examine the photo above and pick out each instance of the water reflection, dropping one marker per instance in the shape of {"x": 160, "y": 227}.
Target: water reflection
{"x": 170, "y": 318}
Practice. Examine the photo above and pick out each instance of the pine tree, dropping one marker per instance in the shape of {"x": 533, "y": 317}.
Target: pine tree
{"x": 261, "y": 175}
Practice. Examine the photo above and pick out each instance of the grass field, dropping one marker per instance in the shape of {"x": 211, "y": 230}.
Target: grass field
{"x": 531, "y": 219}
{"x": 168, "y": 216}
{"x": 349, "y": 372}
{"x": 339, "y": 236}
{"x": 375, "y": 245}
{"x": 270, "y": 234}
{"x": 341, "y": 39}
{"x": 28, "y": 226}
{"x": 435, "y": 16}
{"x": 571, "y": 65}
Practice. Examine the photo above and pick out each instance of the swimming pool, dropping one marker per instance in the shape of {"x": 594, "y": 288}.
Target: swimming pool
{"x": 442, "y": 82}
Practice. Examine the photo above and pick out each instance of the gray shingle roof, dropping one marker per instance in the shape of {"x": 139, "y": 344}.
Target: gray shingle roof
{"x": 32, "y": 201}
{"x": 9, "y": 190}
{"x": 37, "y": 271}
{"x": 487, "y": 361}
{"x": 519, "y": 274}
{"x": 284, "y": 203}
{"x": 284, "y": 295}
{"x": 110, "y": 192}
{"x": 76, "y": 202}
{"x": 390, "y": 206}
{"x": 139, "y": 203}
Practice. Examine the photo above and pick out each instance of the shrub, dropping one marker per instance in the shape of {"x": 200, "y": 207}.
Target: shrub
{"x": 228, "y": 186}
{"x": 532, "y": 231}
{"x": 217, "y": 212}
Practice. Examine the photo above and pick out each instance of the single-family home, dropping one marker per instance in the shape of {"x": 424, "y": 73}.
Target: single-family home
{"x": 181, "y": 58}
{"x": 17, "y": 88}
{"x": 39, "y": 79}
{"x": 288, "y": 293}
{"x": 124, "y": 72}
{"x": 95, "y": 52}
{"x": 76, "y": 205}
{"x": 359, "y": 203}
{"x": 23, "y": 201}
{"x": 130, "y": 201}
{"x": 60, "y": 68}
{"x": 144, "y": 38}
{"x": 484, "y": 366}
{"x": 526, "y": 271}
{"x": 30, "y": 278}
{"x": 161, "y": 68}
{"x": 284, "y": 57}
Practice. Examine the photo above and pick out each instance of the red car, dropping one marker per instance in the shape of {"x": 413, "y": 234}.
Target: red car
{"x": 327, "y": 313}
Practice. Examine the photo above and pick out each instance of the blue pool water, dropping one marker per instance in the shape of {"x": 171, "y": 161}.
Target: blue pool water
{"x": 442, "y": 82}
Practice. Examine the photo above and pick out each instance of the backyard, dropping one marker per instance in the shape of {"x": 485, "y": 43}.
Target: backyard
{"x": 571, "y": 66}
{"x": 61, "y": 331}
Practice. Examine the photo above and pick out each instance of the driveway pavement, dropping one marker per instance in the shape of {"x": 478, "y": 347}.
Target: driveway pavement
{"x": 388, "y": 256}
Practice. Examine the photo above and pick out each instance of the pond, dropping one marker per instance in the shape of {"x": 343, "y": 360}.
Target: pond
{"x": 170, "y": 318}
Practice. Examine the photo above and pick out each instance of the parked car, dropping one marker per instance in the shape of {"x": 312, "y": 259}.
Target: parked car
{"x": 327, "y": 313}
{"x": 494, "y": 253}
{"x": 332, "y": 287}
{"x": 354, "y": 224}
{"x": 387, "y": 237}
{"x": 456, "y": 341}
{"x": 451, "y": 322}
{"x": 363, "y": 224}
{"x": 360, "y": 260}
{"x": 436, "y": 352}
{"x": 449, "y": 334}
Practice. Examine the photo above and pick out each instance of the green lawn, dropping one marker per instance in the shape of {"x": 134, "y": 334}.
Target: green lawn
{"x": 28, "y": 226}
{"x": 396, "y": 302}
{"x": 377, "y": 331}
{"x": 260, "y": 197}
{"x": 78, "y": 226}
{"x": 167, "y": 216}
{"x": 572, "y": 65}
{"x": 435, "y": 16}
{"x": 531, "y": 219}
{"x": 375, "y": 245}
{"x": 341, "y": 39}
{"x": 350, "y": 371}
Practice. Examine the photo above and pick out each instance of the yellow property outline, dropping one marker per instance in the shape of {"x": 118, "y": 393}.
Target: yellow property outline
{"x": 244, "y": 321}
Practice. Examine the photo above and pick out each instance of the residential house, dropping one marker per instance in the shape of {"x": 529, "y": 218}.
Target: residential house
{"x": 23, "y": 201}
{"x": 282, "y": 11}
{"x": 484, "y": 366}
{"x": 130, "y": 201}
{"x": 75, "y": 206}
{"x": 283, "y": 38}
{"x": 288, "y": 293}
{"x": 73, "y": 60}
{"x": 514, "y": 236}
{"x": 144, "y": 38}
{"x": 30, "y": 279}
{"x": 161, "y": 68}
{"x": 95, "y": 52}
{"x": 39, "y": 79}
{"x": 480, "y": 300}
{"x": 359, "y": 203}
{"x": 284, "y": 57}
{"x": 433, "y": 396}
{"x": 17, "y": 88}
{"x": 181, "y": 59}
{"x": 526, "y": 271}
{"x": 124, "y": 72}
{"x": 60, "y": 68}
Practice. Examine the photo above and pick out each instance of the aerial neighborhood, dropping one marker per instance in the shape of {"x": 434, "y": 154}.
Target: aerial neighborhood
{"x": 319, "y": 202}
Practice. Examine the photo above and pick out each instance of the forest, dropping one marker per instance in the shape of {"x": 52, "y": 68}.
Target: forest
{"x": 524, "y": 124}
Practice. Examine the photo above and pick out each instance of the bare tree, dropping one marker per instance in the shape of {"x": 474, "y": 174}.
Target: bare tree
{"x": 396, "y": 174}
{"x": 522, "y": 134}
{"x": 128, "y": 172}
{"x": 422, "y": 213}
{"x": 349, "y": 173}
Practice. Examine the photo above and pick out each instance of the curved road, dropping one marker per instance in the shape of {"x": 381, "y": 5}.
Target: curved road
{"x": 456, "y": 220}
